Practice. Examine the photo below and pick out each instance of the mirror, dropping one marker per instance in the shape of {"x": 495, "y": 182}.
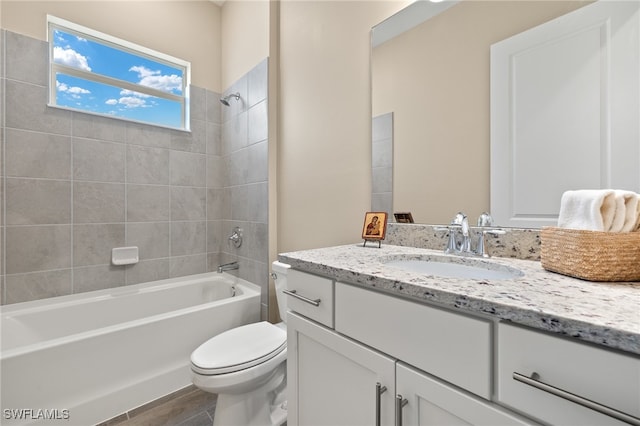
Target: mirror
{"x": 433, "y": 76}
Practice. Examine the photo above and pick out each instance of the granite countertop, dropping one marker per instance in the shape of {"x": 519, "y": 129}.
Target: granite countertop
{"x": 606, "y": 314}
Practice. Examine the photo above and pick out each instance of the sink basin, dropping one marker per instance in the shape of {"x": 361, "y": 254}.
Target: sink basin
{"x": 452, "y": 267}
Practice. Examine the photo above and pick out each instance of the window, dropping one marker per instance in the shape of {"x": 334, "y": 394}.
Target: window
{"x": 100, "y": 74}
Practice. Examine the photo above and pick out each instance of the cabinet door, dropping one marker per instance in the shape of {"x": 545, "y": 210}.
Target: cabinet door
{"x": 332, "y": 380}
{"x": 430, "y": 401}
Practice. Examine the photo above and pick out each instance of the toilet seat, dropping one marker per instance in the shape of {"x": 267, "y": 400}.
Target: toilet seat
{"x": 238, "y": 349}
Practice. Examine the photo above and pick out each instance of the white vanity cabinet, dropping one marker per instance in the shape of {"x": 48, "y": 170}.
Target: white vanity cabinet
{"x": 560, "y": 381}
{"x": 334, "y": 381}
{"x": 454, "y": 347}
{"x": 389, "y": 361}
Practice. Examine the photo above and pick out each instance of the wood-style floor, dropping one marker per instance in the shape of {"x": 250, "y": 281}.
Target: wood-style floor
{"x": 187, "y": 407}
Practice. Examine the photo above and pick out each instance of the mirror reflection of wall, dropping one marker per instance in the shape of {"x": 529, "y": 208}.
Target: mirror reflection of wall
{"x": 382, "y": 164}
{"x": 435, "y": 79}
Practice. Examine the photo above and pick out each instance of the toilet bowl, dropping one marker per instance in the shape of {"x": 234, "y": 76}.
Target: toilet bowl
{"x": 246, "y": 367}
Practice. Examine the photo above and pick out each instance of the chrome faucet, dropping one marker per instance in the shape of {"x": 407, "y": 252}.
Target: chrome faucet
{"x": 460, "y": 221}
{"x": 228, "y": 266}
{"x": 452, "y": 243}
{"x": 465, "y": 245}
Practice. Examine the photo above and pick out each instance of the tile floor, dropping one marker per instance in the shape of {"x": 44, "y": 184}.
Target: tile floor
{"x": 187, "y": 407}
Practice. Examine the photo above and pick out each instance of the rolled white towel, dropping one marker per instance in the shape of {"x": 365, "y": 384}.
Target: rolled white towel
{"x": 590, "y": 209}
{"x": 631, "y": 207}
{"x": 637, "y": 227}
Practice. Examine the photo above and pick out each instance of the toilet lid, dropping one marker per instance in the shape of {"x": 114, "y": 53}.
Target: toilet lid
{"x": 239, "y": 348}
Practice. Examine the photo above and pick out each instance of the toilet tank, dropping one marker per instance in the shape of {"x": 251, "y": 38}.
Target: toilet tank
{"x": 280, "y": 277}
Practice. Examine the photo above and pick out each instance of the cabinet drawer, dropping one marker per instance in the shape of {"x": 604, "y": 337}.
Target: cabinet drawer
{"x": 453, "y": 347}
{"x": 311, "y": 296}
{"x": 605, "y": 377}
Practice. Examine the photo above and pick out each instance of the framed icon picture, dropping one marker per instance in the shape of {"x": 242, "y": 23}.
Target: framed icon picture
{"x": 375, "y": 226}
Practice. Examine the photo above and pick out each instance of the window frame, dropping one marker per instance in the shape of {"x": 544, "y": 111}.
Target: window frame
{"x": 55, "y": 23}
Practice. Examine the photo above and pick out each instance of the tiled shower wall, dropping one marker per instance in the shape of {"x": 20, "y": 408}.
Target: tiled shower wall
{"x": 245, "y": 193}
{"x": 382, "y": 163}
{"x": 76, "y": 185}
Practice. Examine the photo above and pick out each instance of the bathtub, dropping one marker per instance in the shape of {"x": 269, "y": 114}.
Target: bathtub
{"x": 85, "y": 358}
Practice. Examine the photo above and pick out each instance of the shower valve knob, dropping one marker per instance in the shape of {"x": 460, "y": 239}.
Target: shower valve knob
{"x": 236, "y": 237}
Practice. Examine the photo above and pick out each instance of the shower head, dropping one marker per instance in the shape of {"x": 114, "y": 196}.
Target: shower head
{"x": 225, "y": 99}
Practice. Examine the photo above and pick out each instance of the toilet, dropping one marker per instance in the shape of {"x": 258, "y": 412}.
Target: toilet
{"x": 246, "y": 367}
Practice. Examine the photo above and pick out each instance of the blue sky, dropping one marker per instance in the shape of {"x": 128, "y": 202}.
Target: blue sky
{"x": 82, "y": 94}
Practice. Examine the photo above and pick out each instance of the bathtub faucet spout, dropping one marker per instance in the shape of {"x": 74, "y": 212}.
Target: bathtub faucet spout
{"x": 228, "y": 266}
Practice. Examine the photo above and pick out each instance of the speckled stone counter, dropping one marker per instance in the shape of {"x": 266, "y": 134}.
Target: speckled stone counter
{"x": 606, "y": 314}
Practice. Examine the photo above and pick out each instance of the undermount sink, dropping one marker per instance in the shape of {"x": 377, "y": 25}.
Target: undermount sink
{"x": 454, "y": 267}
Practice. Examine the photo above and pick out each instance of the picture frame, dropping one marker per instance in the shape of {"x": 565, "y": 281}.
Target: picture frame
{"x": 375, "y": 226}
{"x": 405, "y": 217}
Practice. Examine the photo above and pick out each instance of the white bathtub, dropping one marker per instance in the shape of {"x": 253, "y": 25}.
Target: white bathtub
{"x": 85, "y": 358}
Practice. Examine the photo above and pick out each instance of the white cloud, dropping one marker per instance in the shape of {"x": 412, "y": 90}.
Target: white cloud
{"x": 71, "y": 58}
{"x": 59, "y": 36}
{"x": 143, "y": 71}
{"x": 155, "y": 79}
{"x": 128, "y": 102}
{"x": 74, "y": 91}
{"x": 131, "y": 99}
{"x": 132, "y": 102}
{"x": 78, "y": 90}
{"x": 125, "y": 92}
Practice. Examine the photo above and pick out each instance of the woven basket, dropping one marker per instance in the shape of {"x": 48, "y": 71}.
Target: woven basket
{"x": 591, "y": 255}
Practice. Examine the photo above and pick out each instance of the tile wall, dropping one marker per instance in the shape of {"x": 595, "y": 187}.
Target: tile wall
{"x": 382, "y": 164}
{"x": 244, "y": 153}
{"x": 76, "y": 185}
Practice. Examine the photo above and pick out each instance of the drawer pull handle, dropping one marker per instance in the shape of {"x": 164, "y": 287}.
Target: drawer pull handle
{"x": 400, "y": 402}
{"x": 603, "y": 409}
{"x": 379, "y": 391}
{"x": 294, "y": 293}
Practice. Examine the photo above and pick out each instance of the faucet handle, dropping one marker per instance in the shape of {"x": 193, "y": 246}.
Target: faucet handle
{"x": 465, "y": 246}
{"x": 459, "y": 219}
{"x": 481, "y": 249}
{"x": 236, "y": 237}
{"x": 485, "y": 219}
{"x": 457, "y": 223}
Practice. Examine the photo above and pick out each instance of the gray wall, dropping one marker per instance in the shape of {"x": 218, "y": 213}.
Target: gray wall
{"x": 382, "y": 164}
{"x": 76, "y": 185}
{"x": 244, "y": 153}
